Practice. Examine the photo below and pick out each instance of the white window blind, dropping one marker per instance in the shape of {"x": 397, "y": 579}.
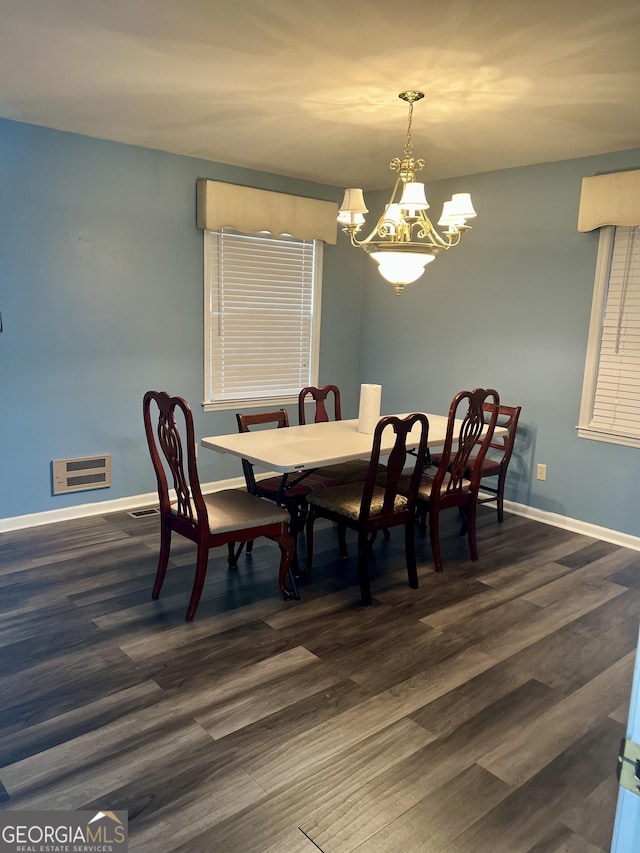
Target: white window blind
{"x": 611, "y": 393}
{"x": 262, "y": 316}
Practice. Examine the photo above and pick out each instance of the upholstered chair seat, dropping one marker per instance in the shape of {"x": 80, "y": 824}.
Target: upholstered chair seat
{"x": 426, "y": 486}
{"x": 232, "y": 509}
{"x": 346, "y": 500}
{"x": 348, "y": 472}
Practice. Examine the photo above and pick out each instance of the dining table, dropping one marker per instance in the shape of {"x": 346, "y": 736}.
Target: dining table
{"x": 302, "y": 449}
{"x": 305, "y": 448}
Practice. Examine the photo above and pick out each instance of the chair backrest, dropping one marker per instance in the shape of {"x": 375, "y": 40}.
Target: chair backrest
{"x": 279, "y": 417}
{"x": 392, "y": 476}
{"x": 168, "y": 455}
{"x": 508, "y": 418}
{"x": 319, "y": 396}
{"x": 474, "y": 434}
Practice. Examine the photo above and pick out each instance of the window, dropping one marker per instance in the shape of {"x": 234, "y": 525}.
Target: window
{"x": 262, "y": 288}
{"x": 610, "y": 409}
{"x": 261, "y": 318}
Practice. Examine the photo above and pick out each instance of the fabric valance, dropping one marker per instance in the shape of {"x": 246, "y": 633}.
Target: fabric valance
{"x": 221, "y": 205}
{"x": 610, "y": 200}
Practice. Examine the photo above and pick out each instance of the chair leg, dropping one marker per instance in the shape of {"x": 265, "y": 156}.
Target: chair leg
{"x": 500, "y": 496}
{"x": 299, "y": 517}
{"x": 385, "y": 532}
{"x": 232, "y": 559}
{"x": 234, "y": 555}
{"x": 294, "y": 583}
{"x": 434, "y": 535}
{"x": 311, "y": 517}
{"x": 422, "y": 509}
{"x": 410, "y": 550}
{"x": 287, "y": 550}
{"x": 163, "y": 559}
{"x": 198, "y": 583}
{"x": 471, "y": 525}
{"x": 342, "y": 541}
{"x": 363, "y": 567}
{"x": 465, "y": 526}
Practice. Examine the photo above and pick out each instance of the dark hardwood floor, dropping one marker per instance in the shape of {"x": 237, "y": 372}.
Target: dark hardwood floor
{"x": 480, "y": 713}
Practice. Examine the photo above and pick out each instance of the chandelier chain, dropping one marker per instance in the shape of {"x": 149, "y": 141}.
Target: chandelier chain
{"x": 408, "y": 148}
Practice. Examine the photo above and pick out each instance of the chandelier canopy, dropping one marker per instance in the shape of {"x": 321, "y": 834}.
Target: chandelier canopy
{"x": 404, "y": 240}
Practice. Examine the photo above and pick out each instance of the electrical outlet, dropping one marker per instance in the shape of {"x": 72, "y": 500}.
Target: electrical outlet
{"x": 541, "y": 471}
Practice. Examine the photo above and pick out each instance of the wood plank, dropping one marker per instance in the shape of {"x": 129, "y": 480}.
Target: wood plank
{"x": 279, "y": 766}
{"x": 242, "y": 701}
{"x": 593, "y": 817}
{"x": 451, "y": 809}
{"x": 579, "y": 651}
{"x": 328, "y": 786}
{"x": 534, "y": 627}
{"x": 561, "y": 839}
{"x": 538, "y": 743}
{"x": 422, "y": 776}
{"x": 522, "y": 820}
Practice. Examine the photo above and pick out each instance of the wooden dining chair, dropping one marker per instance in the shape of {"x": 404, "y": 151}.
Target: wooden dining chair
{"x": 455, "y": 482}
{"x": 289, "y": 491}
{"x": 375, "y": 504}
{"x": 496, "y": 462}
{"x": 319, "y": 397}
{"x": 219, "y": 518}
{"x": 354, "y": 471}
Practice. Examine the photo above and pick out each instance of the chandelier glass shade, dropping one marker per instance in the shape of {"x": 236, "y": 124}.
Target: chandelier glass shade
{"x": 404, "y": 240}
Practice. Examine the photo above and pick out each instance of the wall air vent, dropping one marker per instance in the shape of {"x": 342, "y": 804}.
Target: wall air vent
{"x": 81, "y": 473}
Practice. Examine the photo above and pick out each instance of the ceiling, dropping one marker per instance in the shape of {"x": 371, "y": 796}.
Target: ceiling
{"x": 308, "y": 88}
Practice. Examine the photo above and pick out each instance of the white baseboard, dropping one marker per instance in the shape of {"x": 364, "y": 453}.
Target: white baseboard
{"x": 36, "y": 519}
{"x": 625, "y": 540}
{"x": 20, "y": 522}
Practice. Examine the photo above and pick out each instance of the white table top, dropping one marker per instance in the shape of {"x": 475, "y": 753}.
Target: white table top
{"x": 297, "y": 448}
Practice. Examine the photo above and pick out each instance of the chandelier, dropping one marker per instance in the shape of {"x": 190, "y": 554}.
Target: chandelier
{"x": 404, "y": 239}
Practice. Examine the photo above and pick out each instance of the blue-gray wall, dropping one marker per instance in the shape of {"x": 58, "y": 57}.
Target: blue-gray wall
{"x": 101, "y": 281}
{"x": 510, "y": 309}
{"x": 101, "y": 298}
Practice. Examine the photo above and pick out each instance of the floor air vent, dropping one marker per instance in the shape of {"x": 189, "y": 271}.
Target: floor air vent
{"x": 81, "y": 473}
{"x": 142, "y": 513}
